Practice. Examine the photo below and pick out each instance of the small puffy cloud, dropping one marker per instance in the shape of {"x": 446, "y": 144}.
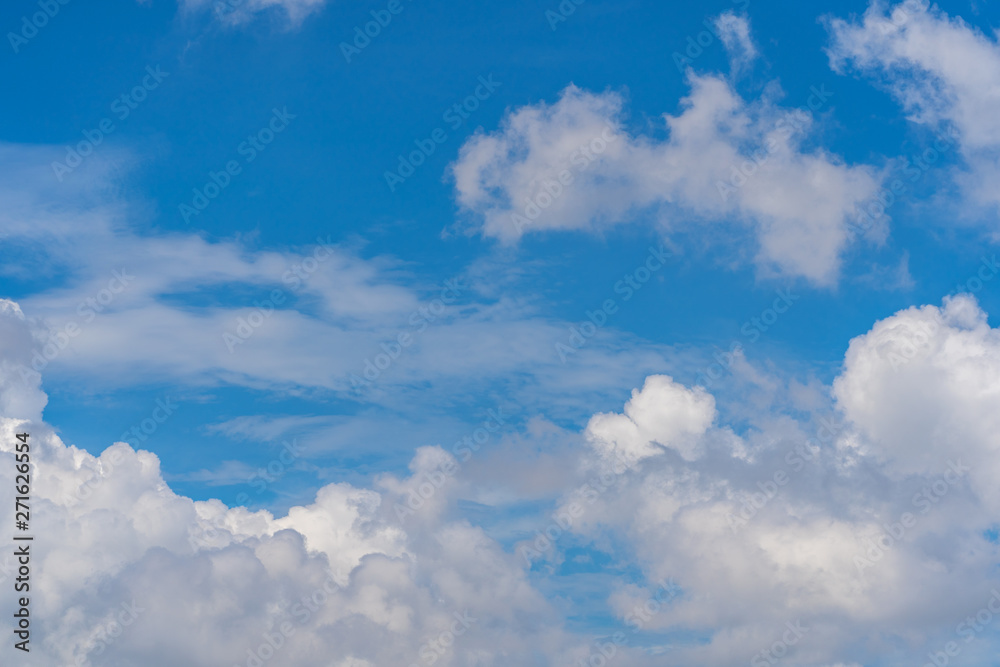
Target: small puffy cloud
{"x": 573, "y": 165}
{"x": 734, "y": 31}
{"x": 942, "y": 70}
{"x": 237, "y": 12}
{"x": 662, "y": 413}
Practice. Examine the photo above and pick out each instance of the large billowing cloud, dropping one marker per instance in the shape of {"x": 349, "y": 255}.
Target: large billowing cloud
{"x": 573, "y": 165}
{"x": 859, "y": 533}
{"x": 124, "y": 571}
{"x": 859, "y": 538}
{"x": 944, "y": 72}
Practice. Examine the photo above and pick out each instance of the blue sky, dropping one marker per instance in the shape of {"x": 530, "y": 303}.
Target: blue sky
{"x": 324, "y": 176}
{"x": 240, "y": 172}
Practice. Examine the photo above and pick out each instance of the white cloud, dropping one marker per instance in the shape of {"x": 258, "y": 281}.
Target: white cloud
{"x": 734, "y": 31}
{"x": 185, "y": 294}
{"x": 203, "y": 584}
{"x": 796, "y": 203}
{"x": 789, "y": 534}
{"x": 238, "y": 12}
{"x": 942, "y": 70}
{"x": 751, "y": 551}
{"x": 924, "y": 388}
{"x": 662, "y": 413}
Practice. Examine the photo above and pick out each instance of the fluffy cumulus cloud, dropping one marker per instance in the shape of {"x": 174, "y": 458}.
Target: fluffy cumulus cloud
{"x": 573, "y": 165}
{"x": 663, "y": 413}
{"x": 859, "y": 531}
{"x": 944, "y": 72}
{"x": 856, "y": 536}
{"x": 124, "y": 571}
